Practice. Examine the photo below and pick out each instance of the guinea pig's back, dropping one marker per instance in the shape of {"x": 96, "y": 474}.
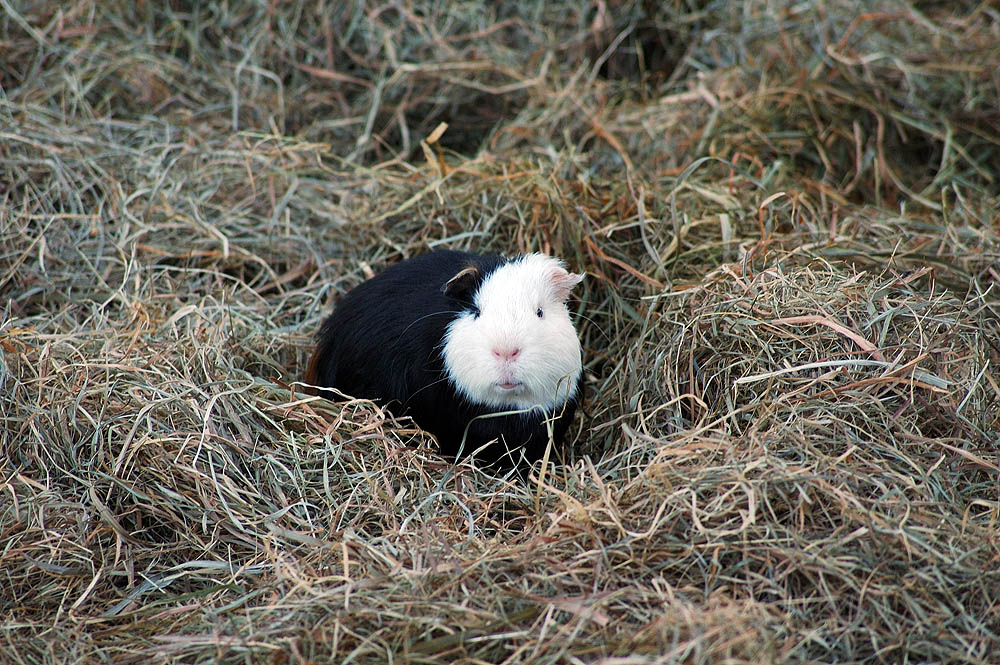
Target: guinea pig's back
{"x": 382, "y": 340}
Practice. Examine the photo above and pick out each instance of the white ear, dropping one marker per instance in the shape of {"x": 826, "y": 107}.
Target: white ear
{"x": 563, "y": 282}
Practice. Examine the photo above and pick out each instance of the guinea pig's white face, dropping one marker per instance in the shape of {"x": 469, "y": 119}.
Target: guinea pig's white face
{"x": 519, "y": 349}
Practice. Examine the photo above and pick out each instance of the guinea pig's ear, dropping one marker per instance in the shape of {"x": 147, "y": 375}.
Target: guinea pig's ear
{"x": 462, "y": 284}
{"x": 563, "y": 282}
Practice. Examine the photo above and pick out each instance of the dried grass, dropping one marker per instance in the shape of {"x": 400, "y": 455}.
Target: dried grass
{"x": 788, "y": 214}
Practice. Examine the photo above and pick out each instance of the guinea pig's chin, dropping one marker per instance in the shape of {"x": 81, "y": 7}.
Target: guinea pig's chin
{"x": 508, "y": 400}
{"x": 511, "y": 395}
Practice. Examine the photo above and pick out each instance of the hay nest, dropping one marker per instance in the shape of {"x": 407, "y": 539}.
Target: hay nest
{"x": 787, "y": 212}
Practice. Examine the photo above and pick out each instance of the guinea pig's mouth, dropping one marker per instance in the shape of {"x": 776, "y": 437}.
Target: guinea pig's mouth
{"x": 509, "y": 385}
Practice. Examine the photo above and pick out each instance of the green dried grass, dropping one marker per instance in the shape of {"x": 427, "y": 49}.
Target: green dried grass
{"x": 187, "y": 191}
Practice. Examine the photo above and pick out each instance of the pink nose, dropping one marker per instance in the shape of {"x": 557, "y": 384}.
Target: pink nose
{"x": 506, "y": 354}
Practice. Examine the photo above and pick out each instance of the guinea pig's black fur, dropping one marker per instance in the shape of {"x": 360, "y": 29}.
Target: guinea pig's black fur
{"x": 385, "y": 339}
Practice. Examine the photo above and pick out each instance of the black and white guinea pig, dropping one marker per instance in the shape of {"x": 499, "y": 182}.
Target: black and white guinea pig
{"x": 453, "y": 339}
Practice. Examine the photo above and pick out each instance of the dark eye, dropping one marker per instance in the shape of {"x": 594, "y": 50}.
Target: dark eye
{"x": 539, "y": 313}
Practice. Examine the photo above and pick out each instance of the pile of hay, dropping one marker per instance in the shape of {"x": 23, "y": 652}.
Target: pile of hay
{"x": 790, "y": 449}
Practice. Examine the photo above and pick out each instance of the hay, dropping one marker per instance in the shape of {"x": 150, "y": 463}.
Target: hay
{"x": 788, "y": 217}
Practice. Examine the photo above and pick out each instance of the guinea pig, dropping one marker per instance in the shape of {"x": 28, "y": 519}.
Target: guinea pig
{"x": 478, "y": 350}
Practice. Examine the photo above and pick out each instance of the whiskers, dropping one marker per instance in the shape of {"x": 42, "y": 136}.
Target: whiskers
{"x": 444, "y": 377}
{"x": 593, "y": 326}
{"x": 426, "y": 316}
